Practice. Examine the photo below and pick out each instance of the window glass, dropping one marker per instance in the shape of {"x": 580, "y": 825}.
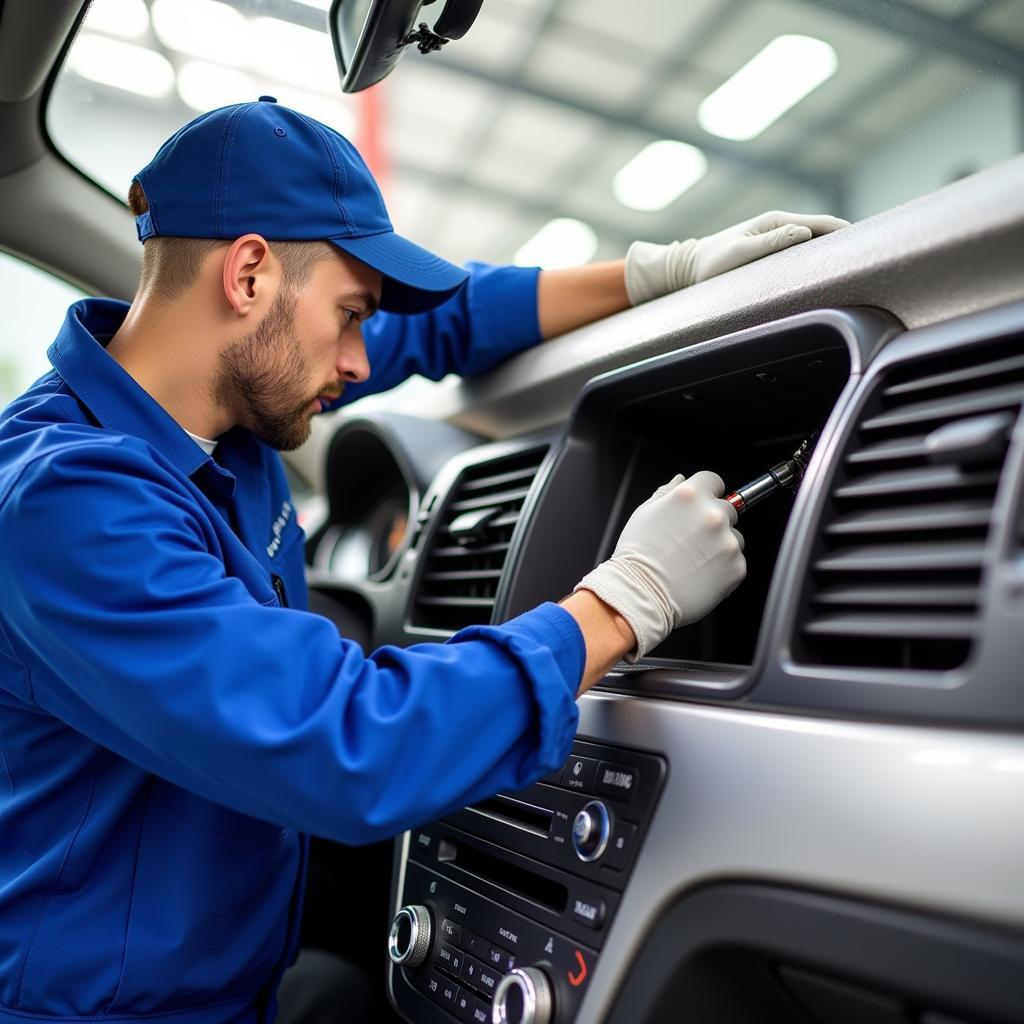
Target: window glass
{"x": 35, "y": 303}
{"x": 561, "y": 130}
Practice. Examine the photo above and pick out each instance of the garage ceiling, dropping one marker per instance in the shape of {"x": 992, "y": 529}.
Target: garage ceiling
{"x": 530, "y": 116}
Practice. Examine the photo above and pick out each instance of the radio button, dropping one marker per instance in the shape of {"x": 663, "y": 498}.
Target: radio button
{"x": 465, "y": 1003}
{"x": 501, "y": 960}
{"x": 488, "y": 979}
{"x": 619, "y": 845}
{"x": 450, "y": 931}
{"x": 445, "y": 991}
{"x": 450, "y": 959}
{"x": 471, "y": 968}
{"x": 481, "y": 1012}
{"x": 589, "y": 911}
{"x": 579, "y": 773}
{"x": 441, "y": 989}
{"x": 473, "y": 943}
{"x": 618, "y": 780}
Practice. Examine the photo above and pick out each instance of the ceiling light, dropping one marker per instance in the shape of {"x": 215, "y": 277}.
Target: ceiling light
{"x": 206, "y": 86}
{"x": 292, "y": 53}
{"x": 777, "y": 78}
{"x": 562, "y": 242}
{"x": 127, "y": 18}
{"x": 658, "y": 174}
{"x": 202, "y": 28}
{"x": 122, "y": 65}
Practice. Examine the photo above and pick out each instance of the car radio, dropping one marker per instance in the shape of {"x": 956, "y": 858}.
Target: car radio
{"x": 504, "y": 905}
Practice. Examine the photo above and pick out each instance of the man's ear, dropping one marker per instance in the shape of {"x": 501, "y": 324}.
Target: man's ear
{"x": 251, "y": 275}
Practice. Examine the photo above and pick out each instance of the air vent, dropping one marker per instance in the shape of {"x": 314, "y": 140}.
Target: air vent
{"x": 463, "y": 566}
{"x": 896, "y": 578}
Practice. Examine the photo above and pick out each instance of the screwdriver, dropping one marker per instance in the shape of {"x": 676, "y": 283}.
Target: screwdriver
{"x": 785, "y": 475}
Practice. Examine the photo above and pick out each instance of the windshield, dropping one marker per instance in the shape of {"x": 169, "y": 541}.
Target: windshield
{"x": 558, "y": 132}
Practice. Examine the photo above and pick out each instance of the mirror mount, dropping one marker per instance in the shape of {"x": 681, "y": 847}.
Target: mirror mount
{"x": 370, "y": 35}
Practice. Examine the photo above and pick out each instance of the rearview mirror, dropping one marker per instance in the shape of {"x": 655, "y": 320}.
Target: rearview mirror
{"x": 370, "y": 35}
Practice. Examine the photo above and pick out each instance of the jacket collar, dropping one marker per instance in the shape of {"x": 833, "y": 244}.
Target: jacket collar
{"x": 113, "y": 396}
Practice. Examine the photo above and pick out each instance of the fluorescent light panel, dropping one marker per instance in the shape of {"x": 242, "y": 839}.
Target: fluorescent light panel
{"x": 770, "y": 83}
{"x": 202, "y": 28}
{"x": 296, "y": 54}
{"x": 562, "y": 242}
{"x": 205, "y": 86}
{"x": 122, "y": 65}
{"x": 658, "y": 174}
{"x": 126, "y": 18}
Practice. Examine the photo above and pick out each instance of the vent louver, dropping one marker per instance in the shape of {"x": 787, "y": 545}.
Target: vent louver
{"x": 895, "y": 582}
{"x": 464, "y": 563}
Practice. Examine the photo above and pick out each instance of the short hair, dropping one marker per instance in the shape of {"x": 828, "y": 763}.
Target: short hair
{"x": 170, "y": 266}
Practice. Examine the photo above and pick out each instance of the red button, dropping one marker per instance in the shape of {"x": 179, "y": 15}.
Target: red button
{"x": 577, "y": 979}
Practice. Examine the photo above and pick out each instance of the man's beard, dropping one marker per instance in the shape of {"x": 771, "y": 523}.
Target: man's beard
{"x": 261, "y": 376}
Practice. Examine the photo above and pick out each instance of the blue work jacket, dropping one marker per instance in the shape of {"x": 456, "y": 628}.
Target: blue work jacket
{"x": 170, "y": 734}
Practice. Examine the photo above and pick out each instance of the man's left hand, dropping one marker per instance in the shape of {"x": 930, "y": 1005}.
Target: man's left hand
{"x": 653, "y": 270}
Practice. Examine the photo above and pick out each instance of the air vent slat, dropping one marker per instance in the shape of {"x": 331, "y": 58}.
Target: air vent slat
{"x": 905, "y": 557}
{"x": 489, "y": 500}
{"x": 949, "y": 515}
{"x": 897, "y": 573}
{"x": 461, "y": 552}
{"x": 936, "y": 625}
{"x": 499, "y": 480}
{"x": 956, "y": 377}
{"x": 917, "y": 480}
{"x": 890, "y": 451}
{"x": 463, "y": 574}
{"x": 938, "y": 596}
{"x": 986, "y": 400}
{"x": 459, "y": 582}
{"x": 458, "y": 602}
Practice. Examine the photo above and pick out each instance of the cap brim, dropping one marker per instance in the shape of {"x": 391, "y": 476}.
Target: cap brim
{"x": 415, "y": 280}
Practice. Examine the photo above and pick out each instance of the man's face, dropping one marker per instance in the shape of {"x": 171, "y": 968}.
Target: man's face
{"x": 307, "y": 347}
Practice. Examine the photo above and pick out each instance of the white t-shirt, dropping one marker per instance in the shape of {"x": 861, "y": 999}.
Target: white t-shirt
{"x": 203, "y": 442}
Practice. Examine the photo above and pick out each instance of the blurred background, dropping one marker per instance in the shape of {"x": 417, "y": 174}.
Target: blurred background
{"x": 558, "y": 131}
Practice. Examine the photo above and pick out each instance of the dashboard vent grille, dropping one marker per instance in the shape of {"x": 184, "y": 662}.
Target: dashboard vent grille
{"x": 463, "y": 566}
{"x": 896, "y": 577}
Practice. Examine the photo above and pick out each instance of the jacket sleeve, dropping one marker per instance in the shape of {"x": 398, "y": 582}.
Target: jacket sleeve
{"x": 491, "y": 318}
{"x": 134, "y": 635}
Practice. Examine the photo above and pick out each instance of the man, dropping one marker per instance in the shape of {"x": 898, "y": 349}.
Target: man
{"x": 173, "y": 723}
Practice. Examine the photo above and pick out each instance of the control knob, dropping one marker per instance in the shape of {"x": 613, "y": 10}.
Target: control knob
{"x": 590, "y": 831}
{"x": 523, "y": 996}
{"x": 409, "y": 941}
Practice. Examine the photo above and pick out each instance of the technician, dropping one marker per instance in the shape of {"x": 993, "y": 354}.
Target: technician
{"x": 173, "y": 722}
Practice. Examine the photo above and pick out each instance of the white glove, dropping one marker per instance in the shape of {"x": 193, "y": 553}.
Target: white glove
{"x": 653, "y": 270}
{"x": 677, "y": 557}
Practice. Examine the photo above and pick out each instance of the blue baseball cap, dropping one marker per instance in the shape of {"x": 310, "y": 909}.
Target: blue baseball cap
{"x": 266, "y": 168}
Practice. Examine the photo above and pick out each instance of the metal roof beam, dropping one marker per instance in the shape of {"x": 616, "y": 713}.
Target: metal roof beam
{"x": 930, "y": 31}
{"x": 708, "y": 143}
{"x": 456, "y": 185}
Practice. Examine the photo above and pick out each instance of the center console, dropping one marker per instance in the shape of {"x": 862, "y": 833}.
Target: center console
{"x": 504, "y": 906}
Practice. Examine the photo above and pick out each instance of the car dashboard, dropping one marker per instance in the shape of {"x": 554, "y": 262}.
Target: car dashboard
{"x": 797, "y": 808}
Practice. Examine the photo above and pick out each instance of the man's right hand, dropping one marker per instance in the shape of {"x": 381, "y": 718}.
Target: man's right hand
{"x": 677, "y": 557}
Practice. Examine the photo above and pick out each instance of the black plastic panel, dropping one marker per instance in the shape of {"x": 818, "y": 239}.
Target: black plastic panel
{"x": 505, "y": 878}
{"x": 721, "y": 953}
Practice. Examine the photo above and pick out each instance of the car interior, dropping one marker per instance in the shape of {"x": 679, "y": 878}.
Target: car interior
{"x": 809, "y": 806}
